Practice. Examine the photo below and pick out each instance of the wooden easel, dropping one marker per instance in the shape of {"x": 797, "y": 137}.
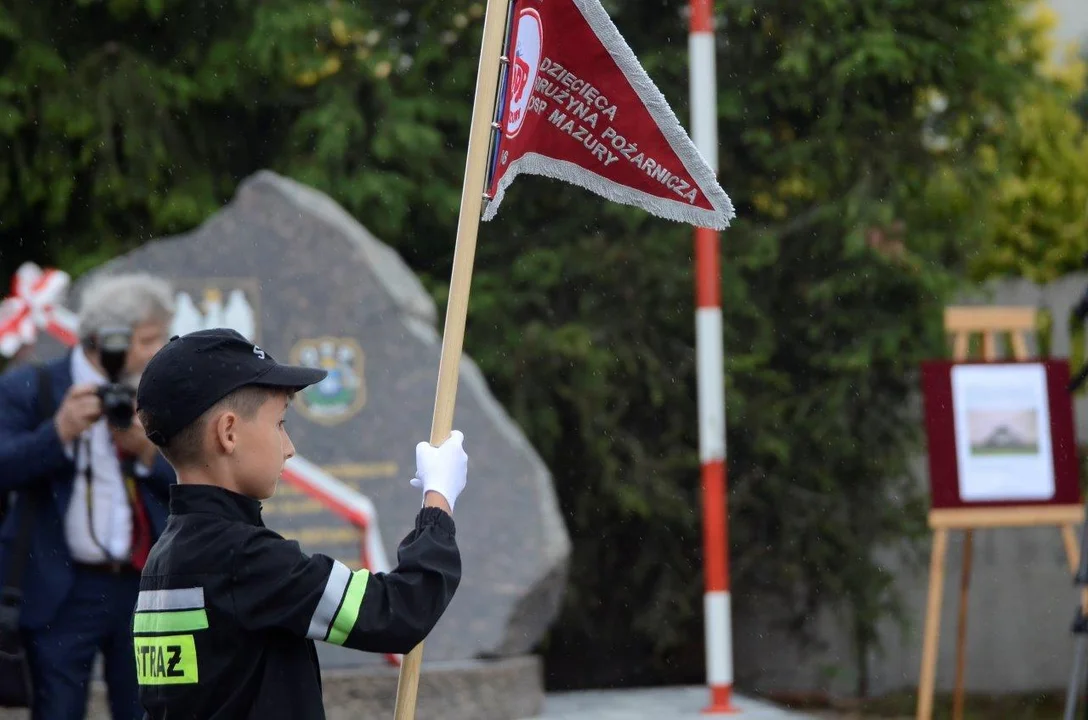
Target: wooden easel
{"x": 961, "y": 323}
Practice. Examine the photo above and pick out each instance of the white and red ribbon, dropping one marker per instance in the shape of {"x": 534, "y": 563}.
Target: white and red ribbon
{"x": 35, "y": 304}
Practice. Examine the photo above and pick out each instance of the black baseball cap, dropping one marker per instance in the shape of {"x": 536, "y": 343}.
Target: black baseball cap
{"x": 193, "y": 372}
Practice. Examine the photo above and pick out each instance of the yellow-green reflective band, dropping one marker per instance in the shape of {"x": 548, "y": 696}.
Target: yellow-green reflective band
{"x": 166, "y": 660}
{"x": 170, "y": 622}
{"x": 349, "y": 609}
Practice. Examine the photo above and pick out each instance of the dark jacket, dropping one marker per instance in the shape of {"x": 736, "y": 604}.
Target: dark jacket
{"x": 31, "y": 456}
{"x": 229, "y": 610}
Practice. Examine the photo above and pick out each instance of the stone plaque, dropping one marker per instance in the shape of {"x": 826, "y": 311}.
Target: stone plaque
{"x": 288, "y": 266}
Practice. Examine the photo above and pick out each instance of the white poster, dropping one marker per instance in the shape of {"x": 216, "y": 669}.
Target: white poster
{"x": 1003, "y": 444}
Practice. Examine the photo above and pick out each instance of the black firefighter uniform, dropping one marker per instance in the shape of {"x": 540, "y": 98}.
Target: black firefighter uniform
{"x": 228, "y": 610}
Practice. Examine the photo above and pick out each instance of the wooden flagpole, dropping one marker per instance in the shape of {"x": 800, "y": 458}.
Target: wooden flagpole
{"x": 468, "y": 225}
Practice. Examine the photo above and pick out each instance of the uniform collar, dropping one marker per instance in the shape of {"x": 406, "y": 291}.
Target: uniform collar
{"x": 187, "y": 499}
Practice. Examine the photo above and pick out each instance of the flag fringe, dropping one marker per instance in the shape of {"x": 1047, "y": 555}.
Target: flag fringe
{"x": 565, "y": 171}
{"x": 663, "y": 115}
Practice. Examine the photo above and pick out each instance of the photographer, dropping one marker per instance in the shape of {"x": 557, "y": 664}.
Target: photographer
{"x": 100, "y": 493}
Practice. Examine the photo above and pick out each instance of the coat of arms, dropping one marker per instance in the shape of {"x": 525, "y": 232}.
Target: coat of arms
{"x": 343, "y": 392}
{"x": 220, "y": 303}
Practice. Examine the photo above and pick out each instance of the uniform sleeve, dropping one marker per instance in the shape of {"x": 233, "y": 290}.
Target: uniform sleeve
{"x": 277, "y": 586}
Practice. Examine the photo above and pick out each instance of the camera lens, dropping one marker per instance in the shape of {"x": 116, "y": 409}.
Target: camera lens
{"x": 117, "y": 401}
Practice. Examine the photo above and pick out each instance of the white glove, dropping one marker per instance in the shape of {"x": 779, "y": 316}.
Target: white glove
{"x": 442, "y": 469}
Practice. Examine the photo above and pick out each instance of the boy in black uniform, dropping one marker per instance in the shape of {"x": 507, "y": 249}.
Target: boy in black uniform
{"x": 228, "y": 610}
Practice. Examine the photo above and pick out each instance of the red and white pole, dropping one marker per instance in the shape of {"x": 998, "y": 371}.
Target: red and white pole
{"x": 710, "y": 375}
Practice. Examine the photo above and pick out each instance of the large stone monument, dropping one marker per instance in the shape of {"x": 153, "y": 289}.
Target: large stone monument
{"x": 289, "y": 268}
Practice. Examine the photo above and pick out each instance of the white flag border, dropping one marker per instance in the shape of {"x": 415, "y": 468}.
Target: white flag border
{"x": 566, "y": 171}
{"x": 537, "y": 164}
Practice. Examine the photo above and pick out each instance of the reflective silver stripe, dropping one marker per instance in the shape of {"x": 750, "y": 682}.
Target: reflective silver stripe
{"x": 326, "y": 609}
{"x": 183, "y": 599}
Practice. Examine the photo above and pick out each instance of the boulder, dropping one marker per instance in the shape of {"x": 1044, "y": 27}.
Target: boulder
{"x": 289, "y": 268}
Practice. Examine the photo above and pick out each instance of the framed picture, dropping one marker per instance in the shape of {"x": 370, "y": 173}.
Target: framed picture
{"x": 1000, "y": 434}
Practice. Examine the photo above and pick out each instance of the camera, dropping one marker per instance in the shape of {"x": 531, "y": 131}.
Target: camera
{"x": 118, "y": 399}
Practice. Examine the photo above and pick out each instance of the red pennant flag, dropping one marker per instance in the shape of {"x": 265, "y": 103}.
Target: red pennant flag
{"x": 577, "y": 106}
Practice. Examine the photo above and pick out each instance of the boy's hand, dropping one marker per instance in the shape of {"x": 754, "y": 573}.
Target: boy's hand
{"x": 442, "y": 469}
{"x": 433, "y": 499}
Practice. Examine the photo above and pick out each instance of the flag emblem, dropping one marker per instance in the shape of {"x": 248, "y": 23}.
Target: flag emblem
{"x": 524, "y": 66}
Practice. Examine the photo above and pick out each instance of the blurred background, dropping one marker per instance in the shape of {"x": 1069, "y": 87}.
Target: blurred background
{"x": 884, "y": 157}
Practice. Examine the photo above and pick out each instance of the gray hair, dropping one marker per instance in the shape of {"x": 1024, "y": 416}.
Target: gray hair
{"x": 124, "y": 301}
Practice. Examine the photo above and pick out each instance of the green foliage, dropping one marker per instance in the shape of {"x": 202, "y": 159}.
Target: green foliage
{"x": 853, "y": 123}
{"x": 1036, "y": 224}
{"x": 851, "y": 133}
{"x": 133, "y": 119}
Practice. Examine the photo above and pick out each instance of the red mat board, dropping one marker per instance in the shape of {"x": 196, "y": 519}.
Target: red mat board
{"x": 941, "y": 431}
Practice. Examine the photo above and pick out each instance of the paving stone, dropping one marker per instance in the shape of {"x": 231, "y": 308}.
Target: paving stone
{"x": 679, "y": 703}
